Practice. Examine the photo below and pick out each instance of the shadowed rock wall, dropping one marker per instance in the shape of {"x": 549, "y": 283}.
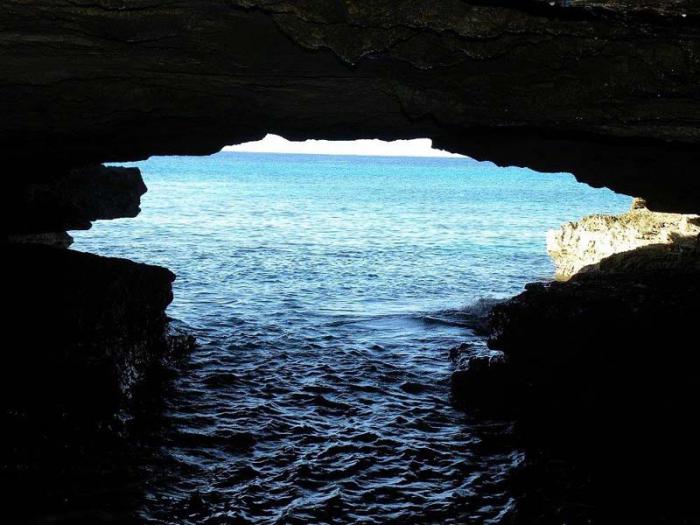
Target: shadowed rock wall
{"x": 599, "y": 372}
{"x": 71, "y": 200}
{"x": 605, "y": 89}
{"x": 82, "y": 329}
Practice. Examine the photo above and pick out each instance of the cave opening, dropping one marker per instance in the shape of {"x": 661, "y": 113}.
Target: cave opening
{"x": 341, "y": 376}
{"x": 328, "y": 294}
{"x": 372, "y": 211}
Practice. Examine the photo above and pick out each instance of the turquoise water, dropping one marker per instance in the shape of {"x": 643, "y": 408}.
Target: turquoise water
{"x": 326, "y": 292}
{"x": 370, "y": 235}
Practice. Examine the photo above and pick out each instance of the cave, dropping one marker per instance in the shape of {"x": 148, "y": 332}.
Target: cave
{"x": 595, "y": 373}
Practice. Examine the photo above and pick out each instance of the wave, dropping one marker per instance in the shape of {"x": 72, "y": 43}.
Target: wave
{"x": 481, "y": 307}
{"x": 473, "y": 315}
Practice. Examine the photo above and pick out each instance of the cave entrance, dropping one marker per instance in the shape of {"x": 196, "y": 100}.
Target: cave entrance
{"x": 326, "y": 292}
{"x": 346, "y": 227}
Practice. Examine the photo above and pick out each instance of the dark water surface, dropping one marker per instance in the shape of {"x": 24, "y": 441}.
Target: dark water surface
{"x": 326, "y": 293}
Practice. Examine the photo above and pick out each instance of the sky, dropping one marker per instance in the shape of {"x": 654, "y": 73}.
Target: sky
{"x": 375, "y": 147}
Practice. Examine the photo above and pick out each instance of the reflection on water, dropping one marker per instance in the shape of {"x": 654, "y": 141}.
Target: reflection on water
{"x": 326, "y": 293}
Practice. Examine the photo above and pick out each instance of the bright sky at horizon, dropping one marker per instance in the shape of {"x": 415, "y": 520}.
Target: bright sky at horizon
{"x": 371, "y": 147}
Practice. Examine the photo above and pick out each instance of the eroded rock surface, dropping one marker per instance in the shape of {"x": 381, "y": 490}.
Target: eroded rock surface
{"x": 70, "y": 200}
{"x": 55, "y": 239}
{"x": 670, "y": 240}
{"x": 605, "y": 89}
{"x": 599, "y": 373}
{"x": 83, "y": 329}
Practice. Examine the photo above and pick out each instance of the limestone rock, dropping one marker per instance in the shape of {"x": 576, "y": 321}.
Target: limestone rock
{"x": 670, "y": 240}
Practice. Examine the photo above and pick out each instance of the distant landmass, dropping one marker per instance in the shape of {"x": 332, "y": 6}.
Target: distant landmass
{"x": 369, "y": 147}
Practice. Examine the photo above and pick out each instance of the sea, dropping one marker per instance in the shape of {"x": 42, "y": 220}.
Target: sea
{"x": 326, "y": 293}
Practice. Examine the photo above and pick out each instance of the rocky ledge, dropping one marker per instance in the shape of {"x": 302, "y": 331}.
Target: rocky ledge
{"x": 40, "y": 209}
{"x": 600, "y": 371}
{"x": 629, "y": 289}
{"x": 84, "y": 329}
{"x": 669, "y": 238}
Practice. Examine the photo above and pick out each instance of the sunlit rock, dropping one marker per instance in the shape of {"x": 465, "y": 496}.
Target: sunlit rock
{"x": 669, "y": 238}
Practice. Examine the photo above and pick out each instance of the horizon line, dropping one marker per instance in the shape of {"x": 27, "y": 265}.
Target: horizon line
{"x": 301, "y": 153}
